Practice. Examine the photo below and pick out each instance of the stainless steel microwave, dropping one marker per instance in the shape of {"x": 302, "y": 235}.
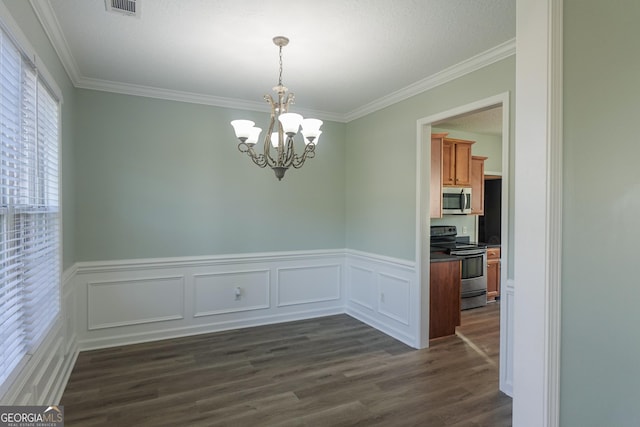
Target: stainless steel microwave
{"x": 456, "y": 200}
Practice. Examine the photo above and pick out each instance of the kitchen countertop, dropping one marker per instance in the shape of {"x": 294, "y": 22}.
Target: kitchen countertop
{"x": 442, "y": 257}
{"x": 491, "y": 245}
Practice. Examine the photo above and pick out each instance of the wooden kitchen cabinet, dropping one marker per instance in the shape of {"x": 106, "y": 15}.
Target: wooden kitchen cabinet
{"x": 444, "y": 298}
{"x": 456, "y": 162}
{"x": 493, "y": 273}
{"x": 436, "y": 174}
{"x": 477, "y": 185}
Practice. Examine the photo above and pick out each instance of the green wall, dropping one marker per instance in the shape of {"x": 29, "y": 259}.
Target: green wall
{"x": 159, "y": 178}
{"x": 145, "y": 178}
{"x": 24, "y": 16}
{"x": 600, "y": 365}
{"x": 381, "y": 159}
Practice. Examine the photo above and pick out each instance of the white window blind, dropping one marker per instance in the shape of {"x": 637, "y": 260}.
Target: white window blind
{"x": 29, "y": 209}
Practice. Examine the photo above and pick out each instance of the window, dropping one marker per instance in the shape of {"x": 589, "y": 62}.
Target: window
{"x": 29, "y": 209}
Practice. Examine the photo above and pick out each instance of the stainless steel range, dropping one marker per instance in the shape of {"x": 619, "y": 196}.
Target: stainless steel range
{"x": 473, "y": 257}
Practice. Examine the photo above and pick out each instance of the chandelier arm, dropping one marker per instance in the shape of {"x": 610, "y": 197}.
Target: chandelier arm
{"x": 267, "y": 148}
{"x": 280, "y": 147}
{"x": 282, "y": 104}
{"x": 267, "y": 138}
{"x": 290, "y": 152}
{"x": 258, "y": 159}
{"x": 309, "y": 153}
{"x": 291, "y": 99}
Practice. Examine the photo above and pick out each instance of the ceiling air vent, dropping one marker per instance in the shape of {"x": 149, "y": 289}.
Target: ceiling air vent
{"x": 124, "y": 7}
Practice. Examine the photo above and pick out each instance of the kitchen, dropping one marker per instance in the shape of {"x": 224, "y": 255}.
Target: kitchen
{"x": 465, "y": 233}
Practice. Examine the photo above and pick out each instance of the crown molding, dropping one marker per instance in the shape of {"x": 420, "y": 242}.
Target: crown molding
{"x": 51, "y": 26}
{"x": 467, "y": 66}
{"x": 191, "y": 97}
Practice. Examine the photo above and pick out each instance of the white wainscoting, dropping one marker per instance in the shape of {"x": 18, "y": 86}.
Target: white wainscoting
{"x": 306, "y": 285}
{"x": 219, "y": 293}
{"x": 44, "y": 376}
{"x": 124, "y": 302}
{"x": 114, "y": 303}
{"x": 506, "y": 337}
{"x": 382, "y": 292}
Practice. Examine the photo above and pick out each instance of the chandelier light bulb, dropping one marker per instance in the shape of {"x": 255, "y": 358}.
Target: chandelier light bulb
{"x": 254, "y": 136}
{"x": 290, "y": 122}
{"x": 309, "y": 138}
{"x": 274, "y": 139}
{"x": 311, "y": 124}
{"x": 311, "y": 130}
{"x": 242, "y": 128}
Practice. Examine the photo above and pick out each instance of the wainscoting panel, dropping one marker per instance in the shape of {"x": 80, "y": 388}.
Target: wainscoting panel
{"x": 308, "y": 284}
{"x": 506, "y": 337}
{"x": 360, "y": 291}
{"x": 230, "y": 292}
{"x": 133, "y": 301}
{"x": 395, "y": 300}
{"x": 379, "y": 291}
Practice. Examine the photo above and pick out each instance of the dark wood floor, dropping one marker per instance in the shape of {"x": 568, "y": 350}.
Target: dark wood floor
{"x": 331, "y": 371}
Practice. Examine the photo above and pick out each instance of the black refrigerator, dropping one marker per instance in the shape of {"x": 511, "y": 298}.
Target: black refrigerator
{"x": 489, "y": 224}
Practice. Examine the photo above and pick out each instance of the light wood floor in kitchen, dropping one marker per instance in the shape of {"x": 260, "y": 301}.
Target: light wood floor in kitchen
{"x": 331, "y": 371}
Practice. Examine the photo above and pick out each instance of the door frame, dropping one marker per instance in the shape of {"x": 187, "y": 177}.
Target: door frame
{"x": 423, "y": 222}
{"x": 538, "y": 228}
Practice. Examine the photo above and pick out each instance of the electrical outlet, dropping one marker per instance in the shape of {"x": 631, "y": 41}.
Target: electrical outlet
{"x": 238, "y": 293}
{"x": 464, "y": 230}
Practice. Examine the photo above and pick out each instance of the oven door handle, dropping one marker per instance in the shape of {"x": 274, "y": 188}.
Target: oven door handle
{"x": 470, "y": 252}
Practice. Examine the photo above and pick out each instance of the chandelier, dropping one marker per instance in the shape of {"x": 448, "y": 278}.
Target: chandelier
{"x": 279, "y": 153}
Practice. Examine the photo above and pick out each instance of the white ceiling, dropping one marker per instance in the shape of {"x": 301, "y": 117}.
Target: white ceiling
{"x": 487, "y": 122}
{"x": 345, "y": 58}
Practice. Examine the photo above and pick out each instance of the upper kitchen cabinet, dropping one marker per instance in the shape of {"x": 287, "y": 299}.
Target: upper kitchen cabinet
{"x": 456, "y": 162}
{"x": 477, "y": 185}
{"x": 436, "y": 174}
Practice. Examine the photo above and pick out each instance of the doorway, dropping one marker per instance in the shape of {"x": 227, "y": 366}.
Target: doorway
{"x": 423, "y": 221}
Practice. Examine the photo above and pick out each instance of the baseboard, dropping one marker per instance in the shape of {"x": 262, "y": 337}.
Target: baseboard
{"x": 44, "y": 377}
{"x": 382, "y": 327}
{"x": 55, "y": 395}
{"x": 170, "y": 333}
